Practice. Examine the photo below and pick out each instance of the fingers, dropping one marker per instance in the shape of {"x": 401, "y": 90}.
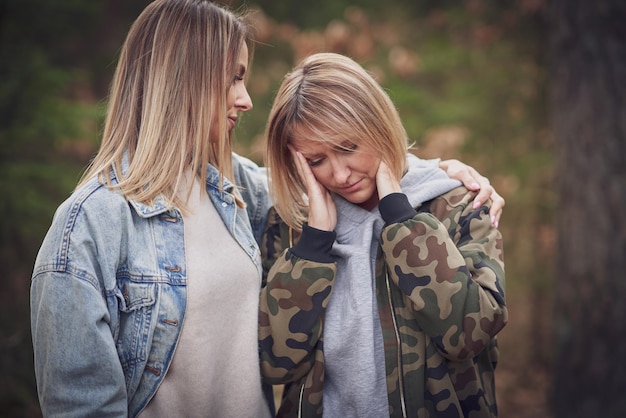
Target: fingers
{"x": 303, "y": 168}
{"x": 386, "y": 183}
{"x": 322, "y": 212}
{"x": 484, "y": 188}
{"x": 467, "y": 175}
{"x": 496, "y": 208}
{"x": 473, "y": 180}
{"x": 486, "y": 192}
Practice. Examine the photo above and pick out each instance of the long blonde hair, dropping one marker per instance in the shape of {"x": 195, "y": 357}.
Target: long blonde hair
{"x": 171, "y": 81}
{"x": 333, "y": 99}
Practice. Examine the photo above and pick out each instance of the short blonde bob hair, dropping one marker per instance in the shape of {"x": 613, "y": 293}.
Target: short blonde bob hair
{"x": 171, "y": 81}
{"x": 332, "y": 99}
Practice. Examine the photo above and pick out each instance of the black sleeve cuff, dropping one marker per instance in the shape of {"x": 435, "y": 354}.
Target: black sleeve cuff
{"x": 314, "y": 245}
{"x": 395, "y": 207}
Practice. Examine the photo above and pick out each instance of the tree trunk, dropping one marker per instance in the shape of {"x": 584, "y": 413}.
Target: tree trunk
{"x": 588, "y": 70}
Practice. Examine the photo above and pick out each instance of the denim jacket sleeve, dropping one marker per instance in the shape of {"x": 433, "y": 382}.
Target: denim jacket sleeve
{"x": 76, "y": 362}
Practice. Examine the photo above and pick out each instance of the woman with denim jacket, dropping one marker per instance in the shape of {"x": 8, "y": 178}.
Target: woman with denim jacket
{"x": 385, "y": 290}
{"x": 145, "y": 292}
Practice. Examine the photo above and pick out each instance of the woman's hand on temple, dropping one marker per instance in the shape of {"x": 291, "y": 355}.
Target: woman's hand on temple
{"x": 322, "y": 210}
{"x": 474, "y": 181}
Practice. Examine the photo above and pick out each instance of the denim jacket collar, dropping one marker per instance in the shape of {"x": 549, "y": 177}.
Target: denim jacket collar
{"x": 160, "y": 205}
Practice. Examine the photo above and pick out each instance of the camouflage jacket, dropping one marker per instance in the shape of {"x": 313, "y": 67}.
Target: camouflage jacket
{"x": 440, "y": 293}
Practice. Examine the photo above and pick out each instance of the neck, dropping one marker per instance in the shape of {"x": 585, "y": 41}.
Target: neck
{"x": 370, "y": 203}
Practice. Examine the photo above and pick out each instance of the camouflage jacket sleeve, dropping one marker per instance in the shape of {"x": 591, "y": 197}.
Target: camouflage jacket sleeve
{"x": 448, "y": 260}
{"x": 293, "y": 301}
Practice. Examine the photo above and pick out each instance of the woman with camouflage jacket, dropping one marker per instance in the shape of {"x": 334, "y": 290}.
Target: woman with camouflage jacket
{"x": 385, "y": 286}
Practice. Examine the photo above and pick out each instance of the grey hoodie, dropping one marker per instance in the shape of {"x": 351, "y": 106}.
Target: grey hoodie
{"x": 354, "y": 383}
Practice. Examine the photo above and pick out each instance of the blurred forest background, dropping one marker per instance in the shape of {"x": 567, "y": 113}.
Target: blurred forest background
{"x": 470, "y": 78}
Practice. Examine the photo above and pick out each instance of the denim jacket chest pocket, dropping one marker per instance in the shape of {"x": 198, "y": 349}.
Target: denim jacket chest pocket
{"x": 136, "y": 306}
{"x": 145, "y": 304}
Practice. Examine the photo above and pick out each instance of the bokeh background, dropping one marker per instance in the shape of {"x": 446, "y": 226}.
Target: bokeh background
{"x": 471, "y": 79}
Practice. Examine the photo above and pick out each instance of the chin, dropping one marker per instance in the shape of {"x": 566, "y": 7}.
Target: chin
{"x": 368, "y": 202}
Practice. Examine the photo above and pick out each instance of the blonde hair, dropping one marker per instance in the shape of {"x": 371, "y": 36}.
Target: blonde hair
{"x": 332, "y": 99}
{"x": 171, "y": 81}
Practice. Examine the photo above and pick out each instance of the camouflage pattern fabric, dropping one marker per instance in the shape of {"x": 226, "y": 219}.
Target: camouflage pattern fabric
{"x": 440, "y": 293}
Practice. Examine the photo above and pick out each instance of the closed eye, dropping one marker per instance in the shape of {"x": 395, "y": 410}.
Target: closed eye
{"x": 240, "y": 74}
{"x": 313, "y": 163}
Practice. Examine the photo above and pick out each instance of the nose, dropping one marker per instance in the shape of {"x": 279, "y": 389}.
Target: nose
{"x": 341, "y": 171}
{"x": 243, "y": 102}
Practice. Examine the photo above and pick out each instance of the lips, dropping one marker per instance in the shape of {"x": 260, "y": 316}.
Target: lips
{"x": 232, "y": 121}
{"x": 351, "y": 188}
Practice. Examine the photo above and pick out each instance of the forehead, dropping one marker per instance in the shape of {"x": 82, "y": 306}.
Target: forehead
{"x": 311, "y": 148}
{"x": 308, "y": 146}
{"x": 302, "y": 134}
{"x": 303, "y": 138}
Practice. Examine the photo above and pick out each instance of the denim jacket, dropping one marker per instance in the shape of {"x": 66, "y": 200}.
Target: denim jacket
{"x": 108, "y": 293}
